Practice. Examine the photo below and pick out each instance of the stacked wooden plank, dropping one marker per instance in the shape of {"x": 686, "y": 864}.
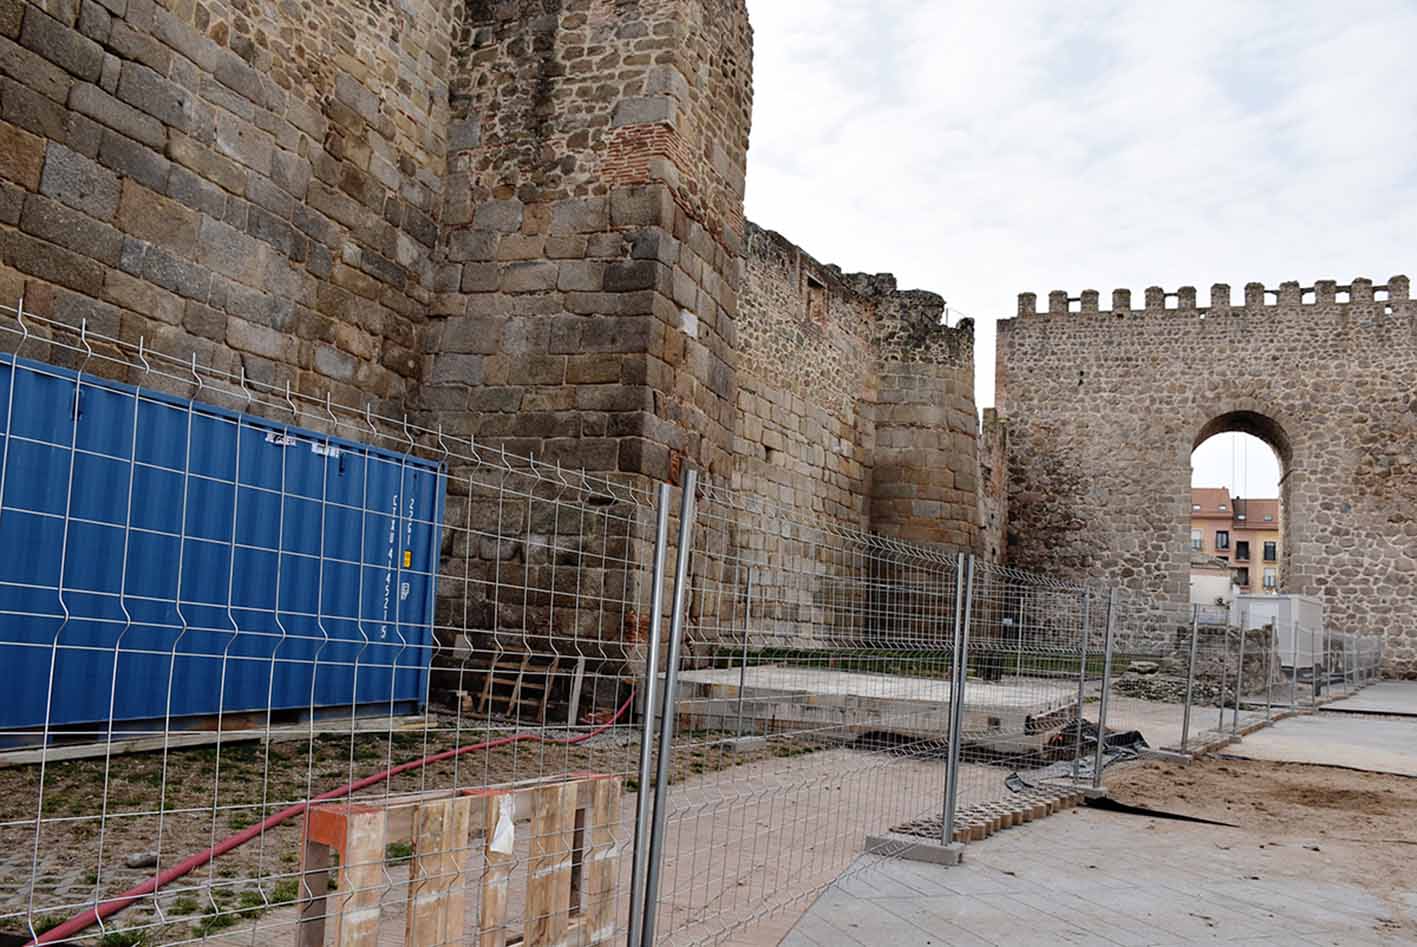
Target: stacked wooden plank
{"x": 570, "y": 872}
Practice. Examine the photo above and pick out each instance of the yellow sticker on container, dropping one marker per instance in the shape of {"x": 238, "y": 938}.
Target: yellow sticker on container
{"x": 407, "y": 558}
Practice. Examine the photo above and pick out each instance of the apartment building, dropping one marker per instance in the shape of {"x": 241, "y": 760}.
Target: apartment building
{"x": 1241, "y": 531}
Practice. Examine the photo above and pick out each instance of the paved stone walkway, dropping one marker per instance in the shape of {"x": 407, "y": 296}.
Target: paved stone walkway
{"x": 1088, "y": 877}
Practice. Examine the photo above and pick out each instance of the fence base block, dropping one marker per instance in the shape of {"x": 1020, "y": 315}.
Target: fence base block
{"x": 915, "y": 850}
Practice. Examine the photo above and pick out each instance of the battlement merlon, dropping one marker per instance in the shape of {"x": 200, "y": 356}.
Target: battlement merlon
{"x": 1360, "y": 290}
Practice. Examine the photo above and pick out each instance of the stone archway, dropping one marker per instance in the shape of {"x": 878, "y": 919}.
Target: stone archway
{"x": 1104, "y": 406}
{"x": 1261, "y": 425}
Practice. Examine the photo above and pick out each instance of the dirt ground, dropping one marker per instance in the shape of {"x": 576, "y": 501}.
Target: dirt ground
{"x": 204, "y": 795}
{"x": 1296, "y": 805}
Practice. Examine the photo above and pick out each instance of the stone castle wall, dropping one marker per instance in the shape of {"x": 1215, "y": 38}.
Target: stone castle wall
{"x": 855, "y": 413}
{"x": 519, "y": 222}
{"x": 1104, "y": 407}
{"x": 806, "y": 428}
{"x": 587, "y": 275}
{"x": 856, "y": 403}
{"x": 993, "y": 486}
{"x": 926, "y": 480}
{"x": 256, "y": 183}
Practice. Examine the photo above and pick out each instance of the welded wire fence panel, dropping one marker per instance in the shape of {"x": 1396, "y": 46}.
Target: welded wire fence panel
{"x": 1200, "y": 682}
{"x": 1035, "y": 647}
{"x": 813, "y": 709}
{"x": 303, "y": 665}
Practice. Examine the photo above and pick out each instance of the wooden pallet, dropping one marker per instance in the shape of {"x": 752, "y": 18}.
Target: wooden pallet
{"x": 521, "y": 687}
{"x": 571, "y": 872}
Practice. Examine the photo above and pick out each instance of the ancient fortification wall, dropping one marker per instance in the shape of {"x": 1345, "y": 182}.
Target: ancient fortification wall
{"x": 806, "y": 426}
{"x": 258, "y": 183}
{"x": 521, "y": 222}
{"x": 855, "y": 402}
{"x": 1105, "y": 406}
{"x": 587, "y": 277}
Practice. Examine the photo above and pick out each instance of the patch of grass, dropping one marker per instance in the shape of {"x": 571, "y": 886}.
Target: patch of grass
{"x": 212, "y": 922}
{"x": 285, "y": 891}
{"x": 122, "y": 939}
{"x": 47, "y": 922}
{"x": 251, "y": 904}
{"x": 186, "y": 906}
{"x": 240, "y": 819}
{"x": 398, "y": 852}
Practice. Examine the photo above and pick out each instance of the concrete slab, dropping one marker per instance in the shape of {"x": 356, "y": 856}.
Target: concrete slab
{"x": 1384, "y": 697}
{"x": 1374, "y": 744}
{"x": 845, "y": 704}
{"x": 1095, "y": 878}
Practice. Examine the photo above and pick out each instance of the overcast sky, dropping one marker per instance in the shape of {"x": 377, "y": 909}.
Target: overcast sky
{"x": 982, "y": 149}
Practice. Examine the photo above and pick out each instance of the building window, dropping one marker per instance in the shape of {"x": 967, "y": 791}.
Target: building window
{"x": 1242, "y": 550}
{"x": 1271, "y": 551}
{"x": 1269, "y": 519}
{"x": 1195, "y": 507}
{"x": 1222, "y": 539}
{"x": 1242, "y": 578}
{"x": 1271, "y": 579}
{"x": 1197, "y": 540}
{"x": 1221, "y": 508}
{"x": 1239, "y": 516}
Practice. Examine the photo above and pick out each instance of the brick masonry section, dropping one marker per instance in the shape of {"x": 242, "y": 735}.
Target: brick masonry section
{"x": 1105, "y": 406}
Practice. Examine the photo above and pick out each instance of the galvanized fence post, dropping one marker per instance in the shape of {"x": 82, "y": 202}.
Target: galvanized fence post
{"x": 1239, "y": 678}
{"x": 642, "y": 807}
{"x": 1313, "y": 670}
{"x": 1293, "y": 664}
{"x": 1082, "y": 684}
{"x": 964, "y": 595}
{"x": 1224, "y": 667}
{"x": 1106, "y": 689}
{"x": 1190, "y": 676}
{"x": 655, "y": 855}
{"x": 743, "y": 663}
{"x": 1269, "y": 649}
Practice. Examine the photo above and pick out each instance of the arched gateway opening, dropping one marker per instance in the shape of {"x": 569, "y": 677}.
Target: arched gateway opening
{"x": 1236, "y": 529}
{"x": 1103, "y": 407}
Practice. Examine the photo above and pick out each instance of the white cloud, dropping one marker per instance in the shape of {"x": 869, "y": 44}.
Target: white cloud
{"x": 984, "y": 149}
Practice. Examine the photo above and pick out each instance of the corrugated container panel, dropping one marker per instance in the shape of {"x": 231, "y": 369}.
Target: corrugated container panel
{"x": 162, "y": 558}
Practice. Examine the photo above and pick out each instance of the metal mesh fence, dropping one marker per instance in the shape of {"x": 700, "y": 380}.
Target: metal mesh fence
{"x": 287, "y": 662}
{"x": 825, "y": 653}
{"x": 1035, "y": 648}
{"x": 1200, "y": 684}
{"x": 283, "y": 670}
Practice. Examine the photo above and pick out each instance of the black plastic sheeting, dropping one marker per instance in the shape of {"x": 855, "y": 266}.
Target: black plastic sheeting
{"x": 1118, "y": 747}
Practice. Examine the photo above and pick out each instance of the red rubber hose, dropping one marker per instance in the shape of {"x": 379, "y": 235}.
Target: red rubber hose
{"x": 92, "y": 916}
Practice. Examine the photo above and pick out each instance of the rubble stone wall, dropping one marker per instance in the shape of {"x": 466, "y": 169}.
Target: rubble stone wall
{"x": 1104, "y": 407}
{"x": 856, "y": 401}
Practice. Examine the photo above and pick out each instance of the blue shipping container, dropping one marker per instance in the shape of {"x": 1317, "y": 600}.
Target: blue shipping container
{"x": 162, "y": 558}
